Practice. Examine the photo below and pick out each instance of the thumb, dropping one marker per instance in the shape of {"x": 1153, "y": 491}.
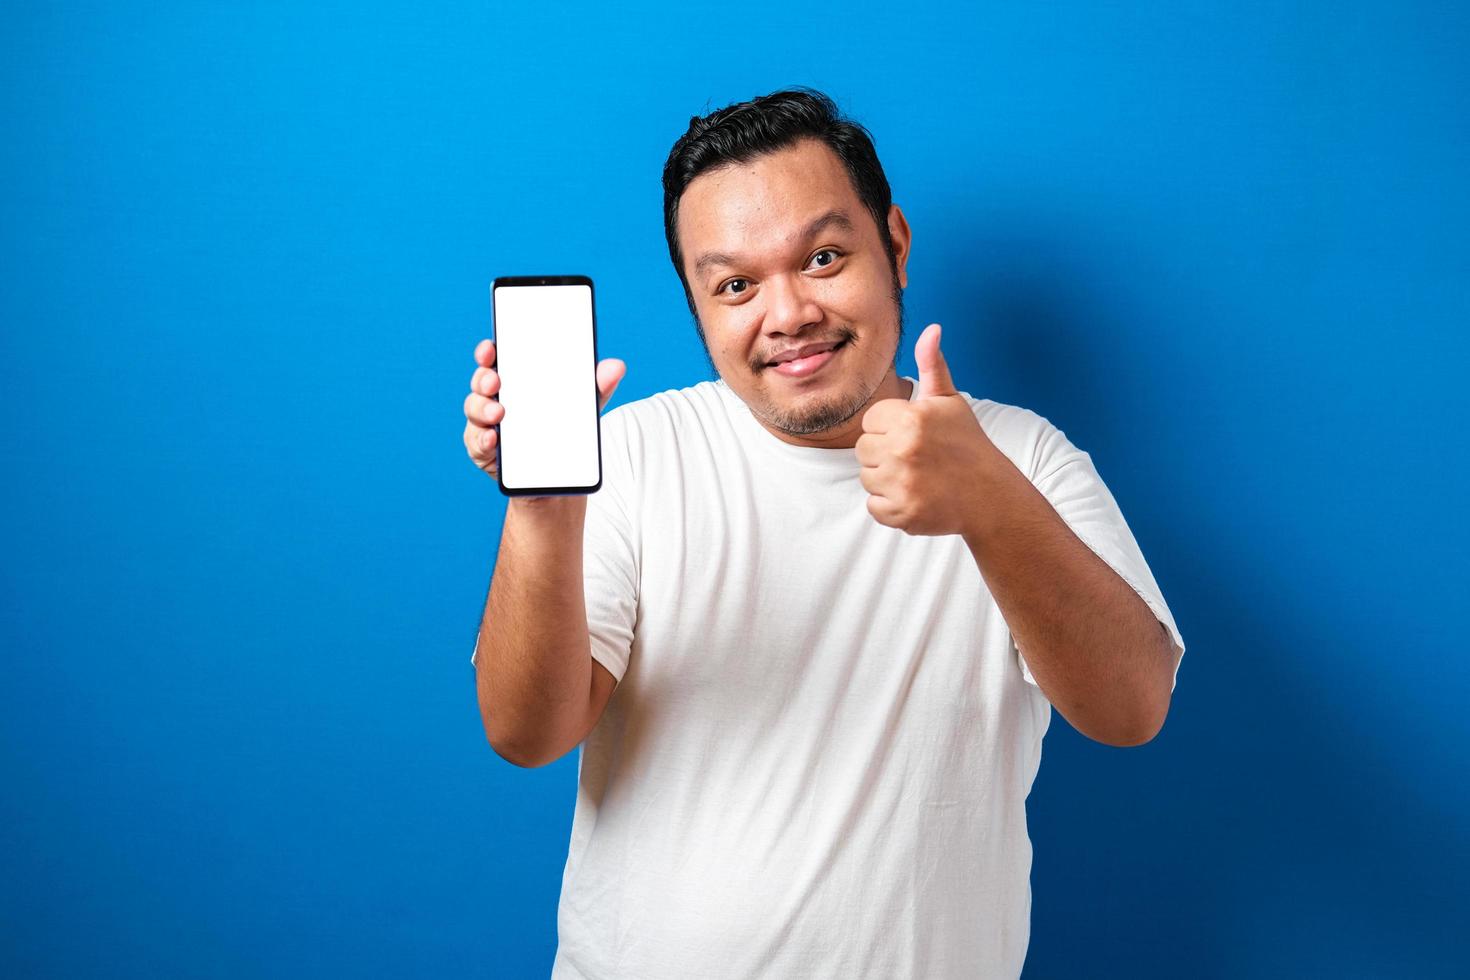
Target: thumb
{"x": 934, "y": 376}
{"x": 609, "y": 373}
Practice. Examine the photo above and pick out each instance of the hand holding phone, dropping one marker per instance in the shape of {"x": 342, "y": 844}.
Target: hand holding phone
{"x": 550, "y": 333}
{"x": 482, "y": 413}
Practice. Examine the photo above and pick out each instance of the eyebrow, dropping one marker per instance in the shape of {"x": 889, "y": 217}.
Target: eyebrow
{"x": 836, "y": 218}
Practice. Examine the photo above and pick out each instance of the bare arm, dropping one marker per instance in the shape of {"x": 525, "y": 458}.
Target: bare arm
{"x": 533, "y": 669}
{"x": 539, "y": 690}
{"x": 1095, "y": 648}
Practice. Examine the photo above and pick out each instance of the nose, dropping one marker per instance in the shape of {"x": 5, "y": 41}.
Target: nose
{"x": 789, "y": 308}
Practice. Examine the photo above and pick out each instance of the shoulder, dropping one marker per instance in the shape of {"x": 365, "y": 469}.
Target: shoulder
{"x": 1029, "y": 439}
{"x": 669, "y": 427}
{"x": 670, "y": 411}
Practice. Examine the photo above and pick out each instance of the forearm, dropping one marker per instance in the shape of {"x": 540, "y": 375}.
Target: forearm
{"x": 1095, "y": 648}
{"x": 534, "y": 666}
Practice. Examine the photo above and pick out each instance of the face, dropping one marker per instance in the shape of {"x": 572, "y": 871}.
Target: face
{"x": 782, "y": 259}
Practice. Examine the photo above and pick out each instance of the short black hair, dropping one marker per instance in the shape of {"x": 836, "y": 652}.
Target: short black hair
{"x": 745, "y": 130}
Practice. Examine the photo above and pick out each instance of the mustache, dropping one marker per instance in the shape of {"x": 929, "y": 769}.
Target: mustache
{"x": 844, "y": 336}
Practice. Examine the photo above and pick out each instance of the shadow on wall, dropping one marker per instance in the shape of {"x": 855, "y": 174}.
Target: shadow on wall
{"x": 1273, "y": 828}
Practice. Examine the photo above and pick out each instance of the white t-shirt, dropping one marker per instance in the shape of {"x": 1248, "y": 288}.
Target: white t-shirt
{"x": 817, "y": 759}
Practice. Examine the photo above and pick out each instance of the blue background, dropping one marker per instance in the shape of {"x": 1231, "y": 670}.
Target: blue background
{"x": 1224, "y": 246}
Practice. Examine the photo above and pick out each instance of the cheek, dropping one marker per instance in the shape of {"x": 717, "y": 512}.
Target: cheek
{"x": 857, "y": 295}
{"x": 722, "y": 319}
{"x": 841, "y": 304}
{"x": 732, "y": 337}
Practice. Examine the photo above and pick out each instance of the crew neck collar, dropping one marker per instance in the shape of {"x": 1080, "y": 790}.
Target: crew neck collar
{"x": 840, "y": 461}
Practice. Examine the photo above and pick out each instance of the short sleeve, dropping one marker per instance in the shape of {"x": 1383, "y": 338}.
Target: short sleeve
{"x": 1070, "y": 481}
{"x": 610, "y": 553}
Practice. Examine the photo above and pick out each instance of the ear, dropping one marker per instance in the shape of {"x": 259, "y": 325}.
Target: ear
{"x": 898, "y": 230}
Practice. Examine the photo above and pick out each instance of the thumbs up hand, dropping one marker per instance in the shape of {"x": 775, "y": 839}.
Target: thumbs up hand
{"x": 926, "y": 462}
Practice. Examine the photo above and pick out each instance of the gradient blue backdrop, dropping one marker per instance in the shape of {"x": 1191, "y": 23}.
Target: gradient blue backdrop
{"x": 1224, "y": 246}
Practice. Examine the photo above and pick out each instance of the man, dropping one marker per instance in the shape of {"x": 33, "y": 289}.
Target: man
{"x": 811, "y": 628}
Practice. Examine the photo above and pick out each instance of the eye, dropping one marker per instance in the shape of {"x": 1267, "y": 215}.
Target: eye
{"x": 730, "y": 282}
{"x": 832, "y": 252}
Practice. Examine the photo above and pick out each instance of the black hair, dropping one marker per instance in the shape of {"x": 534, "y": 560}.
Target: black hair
{"x": 740, "y": 132}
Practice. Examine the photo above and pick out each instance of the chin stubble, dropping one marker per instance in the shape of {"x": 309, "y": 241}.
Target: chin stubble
{"x": 834, "y": 413}
{"x": 820, "y": 417}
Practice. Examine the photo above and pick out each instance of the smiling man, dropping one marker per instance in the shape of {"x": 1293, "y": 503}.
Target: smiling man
{"x": 800, "y": 317}
{"x": 811, "y": 629}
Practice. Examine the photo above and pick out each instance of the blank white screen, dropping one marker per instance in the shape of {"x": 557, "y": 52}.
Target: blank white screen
{"x": 548, "y": 386}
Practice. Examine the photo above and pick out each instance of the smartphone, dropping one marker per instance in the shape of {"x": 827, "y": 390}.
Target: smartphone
{"x": 549, "y": 441}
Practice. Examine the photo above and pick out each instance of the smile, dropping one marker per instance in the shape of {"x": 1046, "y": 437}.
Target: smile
{"x": 804, "y": 367}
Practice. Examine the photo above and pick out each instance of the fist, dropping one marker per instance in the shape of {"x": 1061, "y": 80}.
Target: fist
{"x": 925, "y": 462}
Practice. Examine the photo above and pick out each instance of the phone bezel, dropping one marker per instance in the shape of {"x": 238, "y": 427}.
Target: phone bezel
{"x": 499, "y": 460}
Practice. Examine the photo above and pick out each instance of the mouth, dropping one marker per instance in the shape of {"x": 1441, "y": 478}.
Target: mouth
{"x": 802, "y": 367}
